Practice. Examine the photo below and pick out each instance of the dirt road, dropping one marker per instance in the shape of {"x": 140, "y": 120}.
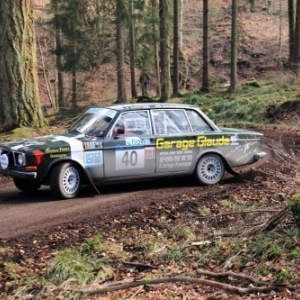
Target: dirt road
{"x": 22, "y": 214}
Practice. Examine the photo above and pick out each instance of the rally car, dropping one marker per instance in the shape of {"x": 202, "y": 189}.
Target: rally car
{"x": 126, "y": 142}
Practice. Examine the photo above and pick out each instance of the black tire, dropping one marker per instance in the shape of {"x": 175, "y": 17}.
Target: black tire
{"x": 26, "y": 185}
{"x": 210, "y": 169}
{"x": 65, "y": 181}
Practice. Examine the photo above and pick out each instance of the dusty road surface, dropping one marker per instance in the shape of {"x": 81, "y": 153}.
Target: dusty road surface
{"x": 22, "y": 214}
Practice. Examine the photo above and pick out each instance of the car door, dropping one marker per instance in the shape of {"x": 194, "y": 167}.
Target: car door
{"x": 176, "y": 140}
{"x": 129, "y": 149}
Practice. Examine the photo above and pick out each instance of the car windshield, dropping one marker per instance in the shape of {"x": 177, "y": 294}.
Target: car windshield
{"x": 94, "y": 122}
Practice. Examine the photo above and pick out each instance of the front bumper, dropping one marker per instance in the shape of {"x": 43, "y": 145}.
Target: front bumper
{"x": 18, "y": 174}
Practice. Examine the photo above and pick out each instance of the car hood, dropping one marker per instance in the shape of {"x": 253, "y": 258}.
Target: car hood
{"x": 53, "y": 143}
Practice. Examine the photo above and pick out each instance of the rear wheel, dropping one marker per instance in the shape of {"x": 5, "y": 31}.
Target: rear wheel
{"x": 26, "y": 185}
{"x": 210, "y": 169}
{"x": 65, "y": 181}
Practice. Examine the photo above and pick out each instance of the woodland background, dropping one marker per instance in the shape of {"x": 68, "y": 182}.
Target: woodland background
{"x": 263, "y": 50}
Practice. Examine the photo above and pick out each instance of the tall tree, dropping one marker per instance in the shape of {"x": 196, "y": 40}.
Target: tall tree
{"x": 175, "y": 48}
{"x": 83, "y": 39}
{"x": 296, "y": 50}
{"x": 155, "y": 38}
{"x": 19, "y": 96}
{"x": 291, "y": 17}
{"x": 121, "y": 98}
{"x": 58, "y": 53}
{"x": 132, "y": 50}
{"x": 205, "y": 75}
{"x": 234, "y": 45}
{"x": 164, "y": 61}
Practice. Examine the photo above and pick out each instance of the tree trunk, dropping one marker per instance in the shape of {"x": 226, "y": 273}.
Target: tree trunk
{"x": 175, "y": 50}
{"x": 180, "y": 26}
{"x": 205, "y": 75}
{"x": 155, "y": 47}
{"x": 163, "y": 30}
{"x": 291, "y": 14}
{"x": 132, "y": 53}
{"x": 19, "y": 96}
{"x": 74, "y": 88}
{"x": 120, "y": 54}
{"x": 233, "y": 71}
{"x": 59, "y": 63}
{"x": 296, "y": 52}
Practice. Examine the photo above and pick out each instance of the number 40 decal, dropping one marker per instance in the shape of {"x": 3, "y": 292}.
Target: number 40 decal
{"x": 130, "y": 159}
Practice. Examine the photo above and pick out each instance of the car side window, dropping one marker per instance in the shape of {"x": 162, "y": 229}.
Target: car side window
{"x": 197, "y": 122}
{"x": 170, "y": 121}
{"x": 133, "y": 123}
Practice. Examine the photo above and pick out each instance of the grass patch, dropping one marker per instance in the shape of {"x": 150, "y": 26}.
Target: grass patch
{"x": 248, "y": 104}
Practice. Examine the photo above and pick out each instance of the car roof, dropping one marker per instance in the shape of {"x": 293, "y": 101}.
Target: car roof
{"x": 127, "y": 106}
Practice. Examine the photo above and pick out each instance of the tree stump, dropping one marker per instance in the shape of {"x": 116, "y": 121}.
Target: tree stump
{"x": 295, "y": 208}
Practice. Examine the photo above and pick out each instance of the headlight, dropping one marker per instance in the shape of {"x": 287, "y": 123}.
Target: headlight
{"x": 21, "y": 159}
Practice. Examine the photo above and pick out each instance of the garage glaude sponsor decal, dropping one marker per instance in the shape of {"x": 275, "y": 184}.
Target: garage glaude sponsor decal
{"x": 181, "y": 152}
{"x": 202, "y": 141}
{"x": 59, "y": 149}
{"x": 175, "y": 160}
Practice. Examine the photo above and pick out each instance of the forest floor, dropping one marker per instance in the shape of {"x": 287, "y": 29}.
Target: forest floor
{"x": 158, "y": 209}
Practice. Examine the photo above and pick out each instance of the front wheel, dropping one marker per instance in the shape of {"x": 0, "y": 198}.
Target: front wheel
{"x": 210, "y": 169}
{"x": 26, "y": 185}
{"x": 65, "y": 181}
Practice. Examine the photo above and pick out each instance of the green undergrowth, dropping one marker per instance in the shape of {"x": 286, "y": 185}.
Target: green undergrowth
{"x": 269, "y": 257}
{"x": 249, "y": 104}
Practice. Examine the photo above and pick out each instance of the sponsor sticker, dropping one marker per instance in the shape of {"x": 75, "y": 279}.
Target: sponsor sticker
{"x": 201, "y": 141}
{"x": 135, "y": 141}
{"x": 59, "y": 149}
{"x": 93, "y": 158}
{"x": 92, "y": 145}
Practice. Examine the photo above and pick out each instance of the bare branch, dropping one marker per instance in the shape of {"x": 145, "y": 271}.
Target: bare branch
{"x": 138, "y": 265}
{"x": 185, "y": 279}
{"x": 229, "y": 273}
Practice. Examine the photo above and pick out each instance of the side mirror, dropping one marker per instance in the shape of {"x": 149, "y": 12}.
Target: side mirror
{"x": 117, "y": 131}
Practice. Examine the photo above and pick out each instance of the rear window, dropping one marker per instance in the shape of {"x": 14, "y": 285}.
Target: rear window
{"x": 170, "y": 121}
{"x": 197, "y": 122}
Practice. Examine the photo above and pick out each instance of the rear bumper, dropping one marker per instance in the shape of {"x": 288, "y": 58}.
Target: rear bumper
{"x": 18, "y": 174}
{"x": 260, "y": 155}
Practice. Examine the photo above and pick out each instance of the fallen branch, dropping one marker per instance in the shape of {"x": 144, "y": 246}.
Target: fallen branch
{"x": 237, "y": 213}
{"x": 229, "y": 273}
{"x": 269, "y": 224}
{"x": 138, "y": 265}
{"x": 185, "y": 279}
